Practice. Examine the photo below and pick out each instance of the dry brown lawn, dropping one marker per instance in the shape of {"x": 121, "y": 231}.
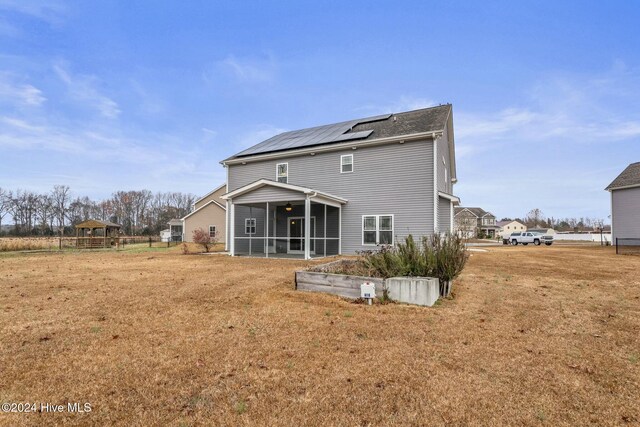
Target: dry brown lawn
{"x": 534, "y": 336}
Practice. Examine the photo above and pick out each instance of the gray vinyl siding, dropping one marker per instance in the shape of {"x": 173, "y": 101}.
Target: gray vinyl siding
{"x": 444, "y": 215}
{"x": 387, "y": 179}
{"x": 269, "y": 194}
{"x": 626, "y": 213}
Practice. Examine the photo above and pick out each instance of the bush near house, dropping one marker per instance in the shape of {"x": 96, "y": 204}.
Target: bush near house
{"x": 203, "y": 238}
{"x": 441, "y": 256}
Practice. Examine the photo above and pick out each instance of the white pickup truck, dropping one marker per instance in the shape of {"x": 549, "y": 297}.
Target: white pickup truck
{"x": 527, "y": 237}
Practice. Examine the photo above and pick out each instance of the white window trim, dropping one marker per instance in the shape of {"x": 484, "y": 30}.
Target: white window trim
{"x": 352, "y": 163}
{"x": 377, "y": 217}
{"x": 278, "y": 176}
{"x": 215, "y": 231}
{"x": 446, "y": 172}
{"x": 246, "y": 225}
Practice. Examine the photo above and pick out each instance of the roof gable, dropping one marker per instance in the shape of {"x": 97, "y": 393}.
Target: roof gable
{"x": 210, "y": 193}
{"x": 630, "y": 177}
{"x": 209, "y": 203}
{"x": 307, "y": 192}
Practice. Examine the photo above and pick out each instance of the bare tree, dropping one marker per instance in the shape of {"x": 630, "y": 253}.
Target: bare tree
{"x": 5, "y": 203}
{"x": 204, "y": 238}
{"x": 45, "y": 213}
{"x": 534, "y": 218}
{"x": 139, "y": 212}
{"x": 60, "y": 196}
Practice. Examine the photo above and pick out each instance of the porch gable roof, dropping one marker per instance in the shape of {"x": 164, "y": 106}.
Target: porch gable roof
{"x": 290, "y": 187}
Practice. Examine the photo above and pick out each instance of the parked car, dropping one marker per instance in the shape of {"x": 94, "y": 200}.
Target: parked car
{"x": 528, "y": 237}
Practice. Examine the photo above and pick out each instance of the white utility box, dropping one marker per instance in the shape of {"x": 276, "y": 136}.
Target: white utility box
{"x": 368, "y": 290}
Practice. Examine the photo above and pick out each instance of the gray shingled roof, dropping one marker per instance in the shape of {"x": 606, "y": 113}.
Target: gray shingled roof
{"x": 431, "y": 119}
{"x": 479, "y": 212}
{"x": 629, "y": 176}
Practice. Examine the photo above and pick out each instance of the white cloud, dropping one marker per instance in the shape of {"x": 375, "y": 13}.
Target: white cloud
{"x": 83, "y": 89}
{"x": 19, "y": 93}
{"x": 247, "y": 71}
{"x": 149, "y": 103}
{"x": 565, "y": 120}
{"x": 209, "y": 132}
{"x": 251, "y": 69}
{"x": 494, "y": 125}
{"x": 587, "y": 110}
{"x": 51, "y": 11}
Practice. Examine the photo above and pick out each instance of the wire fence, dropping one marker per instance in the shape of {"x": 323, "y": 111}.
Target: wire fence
{"x": 628, "y": 246}
{"x": 53, "y": 243}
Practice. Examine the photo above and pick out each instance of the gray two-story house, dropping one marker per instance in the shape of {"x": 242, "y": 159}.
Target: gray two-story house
{"x": 474, "y": 222}
{"x": 625, "y": 205}
{"x": 345, "y": 187}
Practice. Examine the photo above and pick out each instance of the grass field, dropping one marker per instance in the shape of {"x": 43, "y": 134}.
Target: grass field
{"x": 534, "y": 336}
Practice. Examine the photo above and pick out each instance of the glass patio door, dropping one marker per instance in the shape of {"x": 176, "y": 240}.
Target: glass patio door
{"x": 296, "y": 226}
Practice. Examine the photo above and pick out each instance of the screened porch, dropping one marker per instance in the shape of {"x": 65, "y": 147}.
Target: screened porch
{"x": 269, "y": 219}
{"x": 279, "y": 229}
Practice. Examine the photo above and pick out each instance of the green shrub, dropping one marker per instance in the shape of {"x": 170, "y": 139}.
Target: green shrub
{"x": 441, "y": 256}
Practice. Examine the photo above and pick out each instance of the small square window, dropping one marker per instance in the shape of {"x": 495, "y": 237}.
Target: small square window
{"x": 250, "y": 226}
{"x": 346, "y": 163}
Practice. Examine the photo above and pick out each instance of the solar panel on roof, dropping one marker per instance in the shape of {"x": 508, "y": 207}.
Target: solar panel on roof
{"x": 336, "y": 132}
{"x": 313, "y": 136}
{"x": 354, "y": 135}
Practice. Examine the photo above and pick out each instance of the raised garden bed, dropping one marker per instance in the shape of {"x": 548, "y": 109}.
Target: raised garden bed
{"x": 331, "y": 278}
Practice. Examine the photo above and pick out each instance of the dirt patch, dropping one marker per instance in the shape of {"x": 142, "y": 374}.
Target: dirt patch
{"x": 534, "y": 336}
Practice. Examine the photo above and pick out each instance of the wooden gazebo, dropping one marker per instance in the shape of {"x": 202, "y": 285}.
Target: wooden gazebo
{"x": 97, "y": 234}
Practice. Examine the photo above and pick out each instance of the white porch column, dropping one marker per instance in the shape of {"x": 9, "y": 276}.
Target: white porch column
{"x": 340, "y": 230}
{"x": 232, "y": 228}
{"x": 307, "y": 228}
{"x": 226, "y": 228}
{"x": 324, "y": 234}
{"x": 266, "y": 232}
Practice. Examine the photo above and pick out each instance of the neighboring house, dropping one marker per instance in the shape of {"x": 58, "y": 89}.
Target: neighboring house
{"x": 209, "y": 213}
{"x": 344, "y": 187}
{"x": 165, "y": 235}
{"x": 625, "y": 203}
{"x": 175, "y": 230}
{"x": 472, "y": 222}
{"x": 507, "y": 227}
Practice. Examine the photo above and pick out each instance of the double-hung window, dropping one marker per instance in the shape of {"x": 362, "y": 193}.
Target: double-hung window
{"x": 249, "y": 226}
{"x": 346, "y": 163}
{"x": 212, "y": 231}
{"x": 282, "y": 172}
{"x": 377, "y": 229}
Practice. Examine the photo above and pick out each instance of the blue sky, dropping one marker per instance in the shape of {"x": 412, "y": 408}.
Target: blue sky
{"x": 107, "y": 95}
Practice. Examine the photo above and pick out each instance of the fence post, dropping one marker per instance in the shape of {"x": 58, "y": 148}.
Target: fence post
{"x": 149, "y": 241}
{"x": 59, "y": 243}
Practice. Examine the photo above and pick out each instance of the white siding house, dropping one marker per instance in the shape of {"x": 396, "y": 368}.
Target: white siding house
{"x": 625, "y": 204}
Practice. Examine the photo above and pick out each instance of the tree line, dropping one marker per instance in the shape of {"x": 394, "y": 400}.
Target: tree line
{"x": 57, "y": 212}
{"x": 535, "y": 218}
